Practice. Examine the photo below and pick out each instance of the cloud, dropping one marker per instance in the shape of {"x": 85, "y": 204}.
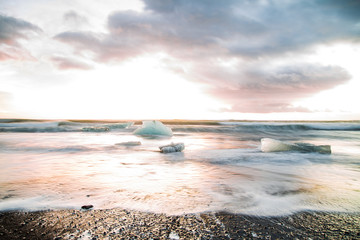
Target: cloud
{"x": 74, "y": 17}
{"x": 263, "y": 90}
{"x": 241, "y": 28}
{"x": 83, "y": 40}
{"x": 253, "y": 33}
{"x": 4, "y": 56}
{"x": 244, "y": 28}
{"x": 63, "y": 63}
{"x": 75, "y": 20}
{"x": 11, "y": 30}
{"x": 105, "y": 48}
{"x": 14, "y": 53}
{"x": 346, "y": 9}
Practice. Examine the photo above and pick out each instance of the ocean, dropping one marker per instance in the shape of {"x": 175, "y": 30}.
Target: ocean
{"x": 67, "y": 164}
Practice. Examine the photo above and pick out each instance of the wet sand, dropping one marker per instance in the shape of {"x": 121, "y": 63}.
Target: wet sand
{"x": 124, "y": 224}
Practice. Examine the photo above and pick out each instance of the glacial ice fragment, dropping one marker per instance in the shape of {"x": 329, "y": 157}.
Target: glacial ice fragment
{"x": 129, "y": 143}
{"x": 173, "y": 147}
{"x": 272, "y": 145}
{"x": 153, "y": 128}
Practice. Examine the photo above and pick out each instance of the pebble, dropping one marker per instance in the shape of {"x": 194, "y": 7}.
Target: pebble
{"x": 87, "y": 206}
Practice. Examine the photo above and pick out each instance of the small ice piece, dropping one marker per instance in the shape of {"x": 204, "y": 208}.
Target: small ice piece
{"x": 173, "y": 147}
{"x": 153, "y": 128}
{"x": 129, "y": 144}
{"x": 272, "y": 145}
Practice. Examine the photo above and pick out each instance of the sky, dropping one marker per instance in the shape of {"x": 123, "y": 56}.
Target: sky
{"x": 180, "y": 59}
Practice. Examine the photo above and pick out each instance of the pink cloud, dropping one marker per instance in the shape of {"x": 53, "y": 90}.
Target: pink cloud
{"x": 66, "y": 63}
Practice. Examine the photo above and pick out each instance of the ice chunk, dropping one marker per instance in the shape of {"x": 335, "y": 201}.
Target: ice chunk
{"x": 153, "y": 128}
{"x": 129, "y": 144}
{"x": 272, "y": 145}
{"x": 173, "y": 147}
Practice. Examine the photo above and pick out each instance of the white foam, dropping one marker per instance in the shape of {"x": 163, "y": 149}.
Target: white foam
{"x": 33, "y": 204}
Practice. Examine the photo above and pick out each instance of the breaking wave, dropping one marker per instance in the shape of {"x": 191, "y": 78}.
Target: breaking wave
{"x": 59, "y": 126}
{"x": 330, "y": 126}
{"x": 228, "y": 127}
{"x": 11, "y": 125}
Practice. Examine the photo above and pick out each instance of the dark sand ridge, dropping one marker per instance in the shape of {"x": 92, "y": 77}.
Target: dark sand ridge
{"x": 124, "y": 224}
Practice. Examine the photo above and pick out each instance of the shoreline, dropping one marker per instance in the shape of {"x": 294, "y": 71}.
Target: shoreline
{"x": 130, "y": 224}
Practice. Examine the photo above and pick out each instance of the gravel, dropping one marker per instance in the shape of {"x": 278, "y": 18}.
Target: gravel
{"x": 126, "y": 224}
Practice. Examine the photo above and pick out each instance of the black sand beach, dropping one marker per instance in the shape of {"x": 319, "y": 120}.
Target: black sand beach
{"x": 124, "y": 224}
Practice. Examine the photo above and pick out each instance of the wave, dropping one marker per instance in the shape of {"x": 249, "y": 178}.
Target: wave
{"x": 15, "y": 125}
{"x": 263, "y": 128}
{"x": 203, "y": 129}
{"x": 32, "y": 130}
{"x": 120, "y": 125}
{"x": 95, "y": 129}
{"x": 70, "y": 149}
{"x": 32, "y": 127}
{"x": 59, "y": 126}
{"x": 15, "y": 120}
{"x": 326, "y": 126}
{"x": 30, "y": 124}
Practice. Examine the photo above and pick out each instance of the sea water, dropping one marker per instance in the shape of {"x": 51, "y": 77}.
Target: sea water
{"x": 67, "y": 164}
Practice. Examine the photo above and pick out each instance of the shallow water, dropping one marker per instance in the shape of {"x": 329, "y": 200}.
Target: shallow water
{"x": 56, "y": 165}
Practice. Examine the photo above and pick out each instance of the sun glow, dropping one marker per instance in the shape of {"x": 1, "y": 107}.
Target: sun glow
{"x": 138, "y": 89}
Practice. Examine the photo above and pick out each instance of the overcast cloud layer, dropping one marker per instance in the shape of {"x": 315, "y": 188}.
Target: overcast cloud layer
{"x": 247, "y": 53}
